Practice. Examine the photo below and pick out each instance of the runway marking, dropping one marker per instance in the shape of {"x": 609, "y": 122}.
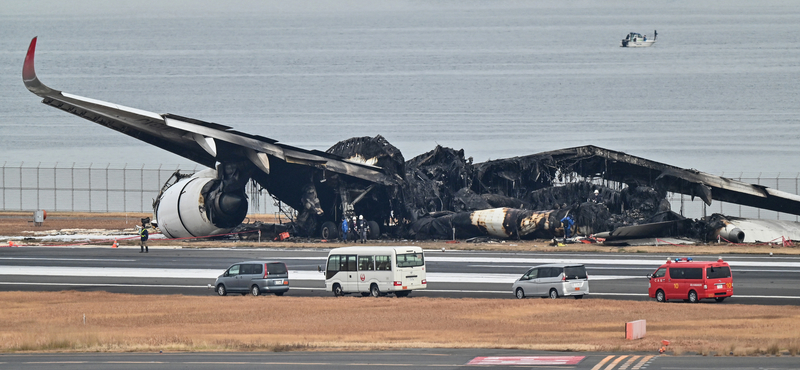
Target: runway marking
{"x": 434, "y": 277}
{"x": 644, "y": 361}
{"x": 616, "y": 362}
{"x": 602, "y": 362}
{"x": 628, "y": 363}
{"x": 525, "y": 360}
{"x": 67, "y": 259}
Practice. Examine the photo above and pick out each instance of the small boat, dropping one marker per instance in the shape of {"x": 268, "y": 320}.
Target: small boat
{"x": 636, "y": 40}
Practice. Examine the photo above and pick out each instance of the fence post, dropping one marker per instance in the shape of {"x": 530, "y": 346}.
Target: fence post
{"x": 125, "y": 188}
{"x": 777, "y": 186}
{"x": 20, "y": 184}
{"x": 107, "y": 190}
{"x": 759, "y": 183}
{"x": 4, "y": 185}
{"x": 90, "y": 187}
{"x": 72, "y": 186}
{"x": 55, "y": 187}
{"x": 141, "y": 189}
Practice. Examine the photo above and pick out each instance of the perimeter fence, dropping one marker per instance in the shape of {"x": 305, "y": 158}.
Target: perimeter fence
{"x": 132, "y": 188}
{"x": 96, "y": 187}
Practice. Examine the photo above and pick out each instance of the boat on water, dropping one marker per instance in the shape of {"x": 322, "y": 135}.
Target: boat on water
{"x": 637, "y": 40}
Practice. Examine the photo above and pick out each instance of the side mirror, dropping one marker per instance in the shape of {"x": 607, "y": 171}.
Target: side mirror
{"x": 649, "y": 276}
{"x": 226, "y": 273}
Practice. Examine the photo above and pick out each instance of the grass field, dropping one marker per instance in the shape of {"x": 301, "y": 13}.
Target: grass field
{"x": 40, "y": 321}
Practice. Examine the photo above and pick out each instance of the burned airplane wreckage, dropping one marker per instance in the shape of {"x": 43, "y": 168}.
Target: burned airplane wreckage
{"x": 443, "y": 195}
{"x": 436, "y": 195}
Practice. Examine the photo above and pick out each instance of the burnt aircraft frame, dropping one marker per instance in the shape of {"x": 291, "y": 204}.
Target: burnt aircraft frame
{"x": 350, "y": 184}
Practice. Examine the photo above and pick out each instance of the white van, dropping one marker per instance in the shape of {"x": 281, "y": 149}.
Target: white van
{"x": 375, "y": 271}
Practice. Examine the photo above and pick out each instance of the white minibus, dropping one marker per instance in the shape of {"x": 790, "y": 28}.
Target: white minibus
{"x": 375, "y": 271}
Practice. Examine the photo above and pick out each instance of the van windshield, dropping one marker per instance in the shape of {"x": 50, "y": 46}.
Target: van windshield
{"x": 410, "y": 260}
{"x": 720, "y": 272}
{"x": 575, "y": 272}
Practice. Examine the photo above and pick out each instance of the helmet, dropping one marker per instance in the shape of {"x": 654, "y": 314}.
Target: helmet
{"x": 596, "y": 191}
{"x": 360, "y": 217}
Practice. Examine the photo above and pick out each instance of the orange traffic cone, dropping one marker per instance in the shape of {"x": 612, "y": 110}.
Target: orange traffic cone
{"x": 115, "y": 244}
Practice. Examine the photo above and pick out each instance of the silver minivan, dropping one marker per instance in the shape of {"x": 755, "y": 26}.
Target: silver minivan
{"x": 255, "y": 277}
{"x": 553, "y": 280}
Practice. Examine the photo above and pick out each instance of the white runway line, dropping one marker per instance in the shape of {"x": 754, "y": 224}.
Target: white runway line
{"x": 170, "y": 273}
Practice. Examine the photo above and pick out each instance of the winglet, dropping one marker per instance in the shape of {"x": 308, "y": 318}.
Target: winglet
{"x": 29, "y": 73}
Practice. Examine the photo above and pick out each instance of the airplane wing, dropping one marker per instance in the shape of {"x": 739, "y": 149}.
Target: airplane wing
{"x": 203, "y": 142}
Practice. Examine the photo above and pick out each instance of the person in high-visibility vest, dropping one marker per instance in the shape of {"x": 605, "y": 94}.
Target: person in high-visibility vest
{"x": 143, "y": 236}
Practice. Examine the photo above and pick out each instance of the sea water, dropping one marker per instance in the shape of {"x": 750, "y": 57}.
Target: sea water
{"x": 717, "y": 92}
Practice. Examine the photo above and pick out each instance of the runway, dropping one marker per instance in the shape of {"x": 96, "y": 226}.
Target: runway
{"x": 175, "y": 270}
{"x": 399, "y": 359}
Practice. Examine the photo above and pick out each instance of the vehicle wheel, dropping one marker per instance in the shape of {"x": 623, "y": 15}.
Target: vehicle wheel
{"x": 279, "y": 294}
{"x": 553, "y": 294}
{"x": 719, "y": 299}
{"x": 221, "y": 290}
{"x": 374, "y": 291}
{"x": 329, "y": 231}
{"x": 660, "y": 297}
{"x": 255, "y": 291}
{"x": 578, "y": 297}
{"x": 337, "y": 291}
{"x": 374, "y": 230}
{"x": 693, "y": 297}
{"x": 520, "y": 293}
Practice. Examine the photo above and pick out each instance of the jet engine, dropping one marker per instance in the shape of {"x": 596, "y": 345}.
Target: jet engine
{"x": 210, "y": 202}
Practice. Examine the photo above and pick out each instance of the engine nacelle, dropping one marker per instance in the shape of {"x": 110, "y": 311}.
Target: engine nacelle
{"x": 195, "y": 206}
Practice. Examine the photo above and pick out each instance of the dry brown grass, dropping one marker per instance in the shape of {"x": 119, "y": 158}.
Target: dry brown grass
{"x": 119, "y": 322}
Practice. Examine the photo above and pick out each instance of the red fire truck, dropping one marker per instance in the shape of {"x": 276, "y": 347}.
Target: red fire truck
{"x": 682, "y": 278}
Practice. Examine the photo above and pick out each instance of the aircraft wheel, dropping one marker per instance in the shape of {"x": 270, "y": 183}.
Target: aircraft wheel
{"x": 374, "y": 230}
{"x": 328, "y": 230}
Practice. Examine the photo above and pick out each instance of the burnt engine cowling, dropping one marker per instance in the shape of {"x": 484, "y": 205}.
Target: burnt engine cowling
{"x": 210, "y": 202}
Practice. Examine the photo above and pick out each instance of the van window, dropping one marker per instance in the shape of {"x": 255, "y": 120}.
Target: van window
{"x": 246, "y": 269}
{"x": 660, "y": 272}
{"x": 410, "y": 260}
{"x": 351, "y": 263}
{"x": 532, "y": 274}
{"x": 234, "y": 270}
{"x": 365, "y": 263}
{"x": 720, "y": 272}
{"x": 383, "y": 263}
{"x": 275, "y": 268}
{"x": 575, "y": 272}
{"x": 550, "y": 272}
{"x": 686, "y": 273}
{"x": 258, "y": 269}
